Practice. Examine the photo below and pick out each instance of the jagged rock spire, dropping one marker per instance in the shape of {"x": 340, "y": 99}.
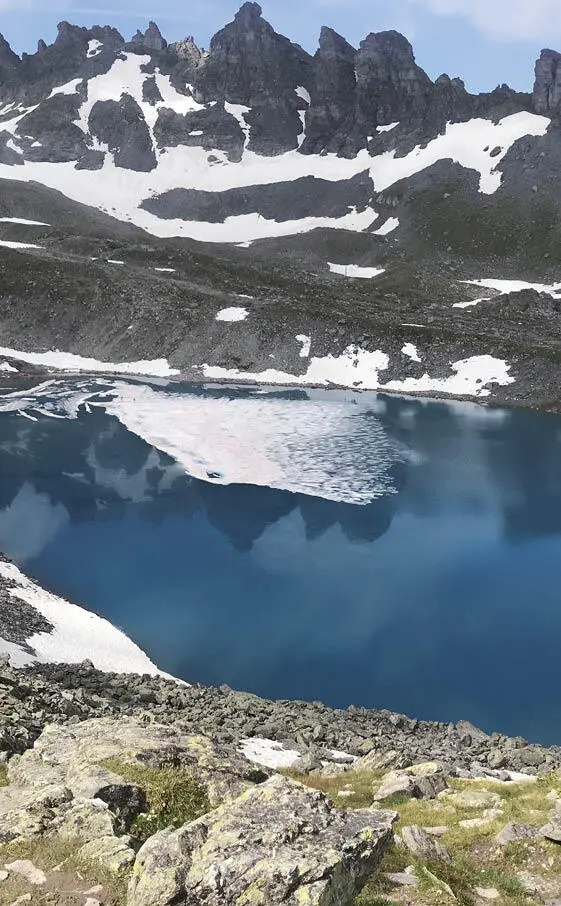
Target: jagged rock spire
{"x": 390, "y": 85}
{"x": 547, "y": 86}
{"x": 151, "y": 39}
{"x": 249, "y": 13}
{"x": 8, "y": 59}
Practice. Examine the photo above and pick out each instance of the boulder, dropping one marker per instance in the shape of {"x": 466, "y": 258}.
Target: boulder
{"x": 379, "y": 761}
{"x": 516, "y": 832}
{"x": 28, "y": 871}
{"x": 424, "y": 781}
{"x": 277, "y": 843}
{"x": 421, "y": 845}
{"x": 552, "y": 830}
{"x": 114, "y": 853}
{"x": 87, "y": 819}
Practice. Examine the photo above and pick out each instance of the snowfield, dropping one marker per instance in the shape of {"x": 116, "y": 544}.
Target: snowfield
{"x": 77, "y": 634}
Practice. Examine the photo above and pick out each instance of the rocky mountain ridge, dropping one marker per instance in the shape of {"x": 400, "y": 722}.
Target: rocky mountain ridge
{"x": 346, "y": 94}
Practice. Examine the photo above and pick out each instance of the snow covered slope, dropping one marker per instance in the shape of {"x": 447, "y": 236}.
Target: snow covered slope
{"x": 36, "y": 626}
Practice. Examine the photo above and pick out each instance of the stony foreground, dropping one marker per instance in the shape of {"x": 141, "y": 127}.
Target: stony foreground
{"x": 153, "y": 802}
{"x": 31, "y": 698}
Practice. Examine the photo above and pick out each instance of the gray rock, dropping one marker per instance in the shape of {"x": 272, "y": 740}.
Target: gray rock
{"x": 114, "y": 853}
{"x": 126, "y": 800}
{"x": 378, "y": 761}
{"x": 28, "y": 871}
{"x": 148, "y": 41}
{"x": 87, "y": 820}
{"x": 474, "y": 798}
{"x": 516, "y": 832}
{"x": 278, "y": 843}
{"x": 420, "y": 844}
{"x": 402, "y": 879}
{"x": 122, "y": 127}
{"x": 547, "y": 85}
{"x": 552, "y": 830}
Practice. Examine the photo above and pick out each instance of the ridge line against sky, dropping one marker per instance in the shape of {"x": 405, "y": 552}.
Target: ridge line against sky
{"x": 485, "y": 42}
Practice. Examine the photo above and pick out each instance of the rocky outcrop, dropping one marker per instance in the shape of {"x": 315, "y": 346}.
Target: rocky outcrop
{"x": 331, "y": 111}
{"x": 390, "y": 86}
{"x": 9, "y": 60}
{"x": 51, "y": 133}
{"x": 552, "y": 830}
{"x": 149, "y": 41}
{"x": 547, "y": 86}
{"x": 278, "y": 843}
{"x": 211, "y": 128}
{"x": 121, "y": 126}
{"x": 306, "y": 197}
{"x": 251, "y": 65}
{"x": 62, "y": 784}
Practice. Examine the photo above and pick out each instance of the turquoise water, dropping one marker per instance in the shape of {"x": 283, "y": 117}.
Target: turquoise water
{"x": 414, "y": 562}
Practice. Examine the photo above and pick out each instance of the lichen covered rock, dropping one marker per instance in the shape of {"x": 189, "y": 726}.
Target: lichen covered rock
{"x": 277, "y": 843}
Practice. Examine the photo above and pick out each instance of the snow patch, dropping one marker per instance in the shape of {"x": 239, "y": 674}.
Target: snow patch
{"x": 353, "y": 270}
{"x": 238, "y": 111}
{"x": 5, "y": 366}
{"x": 268, "y": 753}
{"x": 359, "y": 368}
{"x": 410, "y": 351}
{"x": 471, "y": 304}
{"x": 67, "y": 361}
{"x": 68, "y": 88}
{"x": 18, "y": 245}
{"x": 306, "y": 345}
{"x": 388, "y": 227}
{"x": 304, "y": 94}
{"x": 231, "y": 315}
{"x": 94, "y": 48}
{"x": 77, "y": 634}
{"x": 165, "y": 270}
{"x": 387, "y": 128}
{"x": 516, "y": 286}
{"x": 23, "y": 222}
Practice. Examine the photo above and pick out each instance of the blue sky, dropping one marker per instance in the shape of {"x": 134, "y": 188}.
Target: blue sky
{"x": 483, "y": 41}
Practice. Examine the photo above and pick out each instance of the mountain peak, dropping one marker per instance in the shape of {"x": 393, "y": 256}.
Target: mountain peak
{"x": 8, "y": 59}
{"x": 249, "y": 13}
{"x": 151, "y": 39}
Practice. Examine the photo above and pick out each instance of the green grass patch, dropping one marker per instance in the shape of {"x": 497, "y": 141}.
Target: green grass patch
{"x": 174, "y": 796}
{"x": 3, "y": 775}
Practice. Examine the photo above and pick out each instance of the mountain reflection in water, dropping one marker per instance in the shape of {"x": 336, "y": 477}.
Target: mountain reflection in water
{"x": 438, "y": 598}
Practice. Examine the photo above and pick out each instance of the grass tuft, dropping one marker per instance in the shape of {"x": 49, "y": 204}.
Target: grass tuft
{"x": 174, "y": 796}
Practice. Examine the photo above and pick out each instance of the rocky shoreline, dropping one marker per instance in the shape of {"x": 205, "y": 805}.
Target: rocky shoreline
{"x": 32, "y": 697}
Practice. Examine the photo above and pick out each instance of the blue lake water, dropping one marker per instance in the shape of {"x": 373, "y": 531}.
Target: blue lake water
{"x": 378, "y": 551}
